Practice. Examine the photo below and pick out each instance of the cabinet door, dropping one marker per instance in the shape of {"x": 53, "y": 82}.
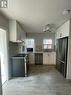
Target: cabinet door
{"x": 45, "y": 58}
{"x": 51, "y": 58}
{"x": 23, "y": 35}
{"x": 12, "y": 30}
{"x": 18, "y": 32}
{"x": 54, "y": 62}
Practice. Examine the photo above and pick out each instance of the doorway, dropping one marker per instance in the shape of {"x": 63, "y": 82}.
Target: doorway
{"x": 3, "y": 55}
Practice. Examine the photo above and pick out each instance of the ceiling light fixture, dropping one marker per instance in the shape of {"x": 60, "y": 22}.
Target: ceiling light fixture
{"x": 67, "y": 13}
{"x": 48, "y": 28}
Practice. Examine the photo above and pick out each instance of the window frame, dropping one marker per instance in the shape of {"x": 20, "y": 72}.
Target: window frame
{"x": 47, "y": 44}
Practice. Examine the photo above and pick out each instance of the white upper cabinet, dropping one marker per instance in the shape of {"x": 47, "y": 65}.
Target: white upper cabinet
{"x": 23, "y": 35}
{"x": 16, "y": 32}
{"x": 64, "y": 30}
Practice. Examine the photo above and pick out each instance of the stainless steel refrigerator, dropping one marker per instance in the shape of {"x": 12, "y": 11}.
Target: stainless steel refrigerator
{"x": 61, "y": 55}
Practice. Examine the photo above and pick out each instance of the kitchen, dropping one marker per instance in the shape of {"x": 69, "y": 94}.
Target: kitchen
{"x": 37, "y": 37}
{"x": 47, "y": 59}
{"x": 40, "y": 48}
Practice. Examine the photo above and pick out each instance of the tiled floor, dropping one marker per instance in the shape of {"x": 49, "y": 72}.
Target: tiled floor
{"x": 42, "y": 80}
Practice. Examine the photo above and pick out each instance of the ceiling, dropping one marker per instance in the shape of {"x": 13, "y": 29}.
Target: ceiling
{"x": 35, "y": 14}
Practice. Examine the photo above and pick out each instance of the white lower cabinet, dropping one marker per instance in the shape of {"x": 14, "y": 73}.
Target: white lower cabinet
{"x": 49, "y": 58}
{"x": 45, "y": 58}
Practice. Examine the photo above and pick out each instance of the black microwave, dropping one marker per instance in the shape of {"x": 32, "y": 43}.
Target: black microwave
{"x": 29, "y": 49}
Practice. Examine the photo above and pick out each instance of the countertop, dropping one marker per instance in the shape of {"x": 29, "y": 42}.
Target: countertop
{"x": 20, "y": 55}
{"x": 42, "y": 52}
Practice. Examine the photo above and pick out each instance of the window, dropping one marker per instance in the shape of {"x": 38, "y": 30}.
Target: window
{"x": 47, "y": 44}
{"x": 30, "y": 45}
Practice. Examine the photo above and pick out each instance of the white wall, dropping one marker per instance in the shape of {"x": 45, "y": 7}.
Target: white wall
{"x": 4, "y": 24}
{"x": 40, "y": 36}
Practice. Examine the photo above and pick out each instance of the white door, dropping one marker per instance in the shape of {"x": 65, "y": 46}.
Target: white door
{"x": 3, "y": 55}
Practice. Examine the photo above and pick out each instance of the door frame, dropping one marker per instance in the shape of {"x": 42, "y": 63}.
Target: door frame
{"x": 7, "y": 59}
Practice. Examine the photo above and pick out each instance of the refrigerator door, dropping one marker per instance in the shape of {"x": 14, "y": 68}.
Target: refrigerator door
{"x": 62, "y": 47}
{"x": 61, "y": 55}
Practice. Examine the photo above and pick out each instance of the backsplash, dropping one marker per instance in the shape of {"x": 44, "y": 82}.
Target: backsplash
{"x": 13, "y": 49}
{"x": 38, "y": 48}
